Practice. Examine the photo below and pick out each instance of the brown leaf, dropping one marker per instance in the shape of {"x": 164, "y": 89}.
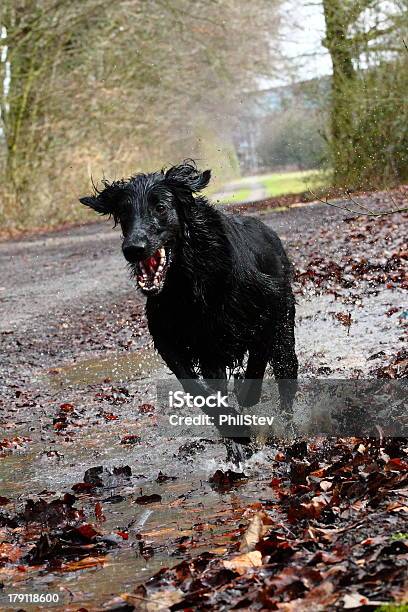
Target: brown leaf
{"x": 397, "y": 464}
{"x": 87, "y": 532}
{"x": 67, "y": 407}
{"x": 99, "y": 512}
{"x": 146, "y": 408}
{"x": 9, "y": 553}
{"x": 317, "y": 599}
{"x": 354, "y": 600}
{"x": 325, "y": 485}
{"x": 131, "y": 439}
{"x": 82, "y": 564}
{"x": 162, "y": 600}
{"x": 344, "y": 318}
{"x": 226, "y": 480}
{"x": 83, "y": 487}
{"x": 242, "y": 563}
{"x": 148, "y": 499}
{"x": 256, "y": 529}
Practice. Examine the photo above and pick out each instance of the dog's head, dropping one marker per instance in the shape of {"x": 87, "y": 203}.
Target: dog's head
{"x": 153, "y": 211}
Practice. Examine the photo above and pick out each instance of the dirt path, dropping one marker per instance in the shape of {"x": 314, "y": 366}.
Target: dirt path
{"x": 77, "y": 390}
{"x": 256, "y": 191}
{"x": 58, "y": 270}
{"x": 71, "y": 273}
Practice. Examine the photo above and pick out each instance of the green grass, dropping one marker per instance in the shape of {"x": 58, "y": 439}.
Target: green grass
{"x": 239, "y": 195}
{"x": 399, "y": 536}
{"x": 392, "y": 608}
{"x": 291, "y": 182}
{"x": 275, "y": 184}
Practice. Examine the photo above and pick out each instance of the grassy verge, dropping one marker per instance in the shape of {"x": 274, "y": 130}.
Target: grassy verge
{"x": 239, "y": 195}
{"x": 274, "y": 185}
{"x": 291, "y": 182}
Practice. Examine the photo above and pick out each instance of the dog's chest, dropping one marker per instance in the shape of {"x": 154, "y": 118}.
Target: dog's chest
{"x": 188, "y": 321}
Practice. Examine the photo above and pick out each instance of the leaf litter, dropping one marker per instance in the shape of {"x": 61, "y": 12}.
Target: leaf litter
{"x": 319, "y": 524}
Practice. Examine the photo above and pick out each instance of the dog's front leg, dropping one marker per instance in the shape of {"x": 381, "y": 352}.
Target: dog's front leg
{"x": 192, "y": 384}
{"x": 249, "y": 390}
{"x": 184, "y": 372}
{"x": 215, "y": 377}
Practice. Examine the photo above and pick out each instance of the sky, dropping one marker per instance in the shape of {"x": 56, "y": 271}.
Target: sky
{"x": 302, "y": 32}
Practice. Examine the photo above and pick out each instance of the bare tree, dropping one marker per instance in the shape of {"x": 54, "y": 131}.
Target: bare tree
{"x": 97, "y": 85}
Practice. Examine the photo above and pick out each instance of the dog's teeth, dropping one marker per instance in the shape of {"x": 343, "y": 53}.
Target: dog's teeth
{"x": 162, "y": 252}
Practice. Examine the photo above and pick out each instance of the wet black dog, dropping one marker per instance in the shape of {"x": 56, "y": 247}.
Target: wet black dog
{"x": 217, "y": 286}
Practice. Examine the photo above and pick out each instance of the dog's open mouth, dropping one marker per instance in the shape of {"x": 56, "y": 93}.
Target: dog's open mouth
{"x": 151, "y": 272}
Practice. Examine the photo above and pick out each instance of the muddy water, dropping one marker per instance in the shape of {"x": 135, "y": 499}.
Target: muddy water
{"x": 322, "y": 341}
{"x": 118, "y": 367}
{"x": 186, "y": 502}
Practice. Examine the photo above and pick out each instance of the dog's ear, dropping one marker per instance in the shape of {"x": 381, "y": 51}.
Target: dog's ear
{"x": 104, "y": 201}
{"x": 188, "y": 175}
{"x": 97, "y": 203}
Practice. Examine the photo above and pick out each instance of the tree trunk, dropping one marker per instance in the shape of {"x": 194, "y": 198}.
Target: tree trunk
{"x": 339, "y": 47}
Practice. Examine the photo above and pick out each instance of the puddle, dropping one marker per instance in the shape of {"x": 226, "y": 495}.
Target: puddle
{"x": 323, "y": 340}
{"x": 118, "y": 367}
{"x": 164, "y": 526}
{"x": 95, "y": 433}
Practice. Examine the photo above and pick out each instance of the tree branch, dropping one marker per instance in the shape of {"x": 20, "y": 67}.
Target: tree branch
{"x": 368, "y": 212}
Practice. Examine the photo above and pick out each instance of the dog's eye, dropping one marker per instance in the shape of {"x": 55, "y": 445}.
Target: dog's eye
{"x": 160, "y": 208}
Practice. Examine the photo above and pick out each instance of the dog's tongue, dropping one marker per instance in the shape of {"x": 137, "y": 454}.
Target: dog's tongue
{"x": 151, "y": 263}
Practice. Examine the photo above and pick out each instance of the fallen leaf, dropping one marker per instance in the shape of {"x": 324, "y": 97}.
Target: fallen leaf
{"x": 146, "y": 408}
{"x": 67, "y": 407}
{"x": 87, "y": 532}
{"x": 82, "y": 564}
{"x": 355, "y": 600}
{"x": 325, "y": 485}
{"x": 256, "y": 529}
{"x": 148, "y": 499}
{"x": 162, "y": 600}
{"x": 9, "y": 553}
{"x": 131, "y": 439}
{"x": 83, "y": 487}
{"x": 397, "y": 465}
{"x": 163, "y": 477}
{"x": 99, "y": 512}
{"x": 243, "y": 562}
{"x": 226, "y": 480}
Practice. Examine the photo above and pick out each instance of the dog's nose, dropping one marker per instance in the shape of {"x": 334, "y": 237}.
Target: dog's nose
{"x": 136, "y": 251}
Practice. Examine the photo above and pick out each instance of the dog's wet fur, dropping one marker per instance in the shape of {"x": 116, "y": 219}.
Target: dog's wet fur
{"x": 218, "y": 286}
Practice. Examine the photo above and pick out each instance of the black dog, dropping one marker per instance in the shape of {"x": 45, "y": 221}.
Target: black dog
{"x": 217, "y": 286}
